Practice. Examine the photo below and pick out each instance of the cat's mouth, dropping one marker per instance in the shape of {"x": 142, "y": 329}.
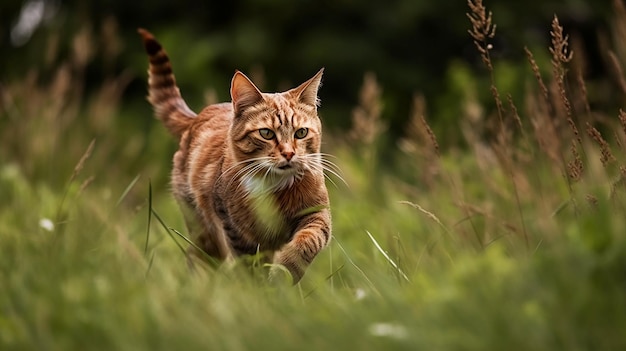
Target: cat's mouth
{"x": 286, "y": 168}
{"x": 284, "y": 165}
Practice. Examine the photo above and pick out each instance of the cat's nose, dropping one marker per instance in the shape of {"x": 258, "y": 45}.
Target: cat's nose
{"x": 287, "y": 151}
{"x": 287, "y": 154}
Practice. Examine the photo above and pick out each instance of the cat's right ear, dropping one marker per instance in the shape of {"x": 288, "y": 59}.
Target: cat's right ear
{"x": 243, "y": 93}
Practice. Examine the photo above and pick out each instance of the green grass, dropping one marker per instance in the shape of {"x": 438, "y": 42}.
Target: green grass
{"x": 486, "y": 247}
{"x": 88, "y": 284}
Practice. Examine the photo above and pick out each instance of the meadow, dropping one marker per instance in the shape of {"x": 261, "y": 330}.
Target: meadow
{"x": 515, "y": 239}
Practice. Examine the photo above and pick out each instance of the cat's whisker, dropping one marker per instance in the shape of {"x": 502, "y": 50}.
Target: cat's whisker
{"x": 326, "y": 166}
{"x": 324, "y": 154}
{"x": 334, "y": 173}
{"x": 245, "y": 175}
{"x": 321, "y": 169}
{"x": 250, "y": 172}
{"x": 246, "y": 169}
{"x": 249, "y": 161}
{"x": 338, "y": 177}
{"x": 331, "y": 165}
{"x": 254, "y": 162}
{"x": 243, "y": 171}
{"x": 264, "y": 178}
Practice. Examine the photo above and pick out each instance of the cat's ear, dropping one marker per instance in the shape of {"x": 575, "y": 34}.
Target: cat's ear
{"x": 243, "y": 93}
{"x": 307, "y": 91}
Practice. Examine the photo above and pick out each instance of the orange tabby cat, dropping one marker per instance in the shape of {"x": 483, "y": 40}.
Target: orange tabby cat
{"x": 248, "y": 174}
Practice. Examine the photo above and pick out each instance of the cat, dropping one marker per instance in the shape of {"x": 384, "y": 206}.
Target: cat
{"x": 248, "y": 175}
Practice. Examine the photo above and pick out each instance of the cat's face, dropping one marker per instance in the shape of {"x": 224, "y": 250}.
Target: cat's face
{"x": 276, "y": 137}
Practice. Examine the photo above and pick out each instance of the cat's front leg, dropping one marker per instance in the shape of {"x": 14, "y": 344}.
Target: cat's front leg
{"x": 311, "y": 237}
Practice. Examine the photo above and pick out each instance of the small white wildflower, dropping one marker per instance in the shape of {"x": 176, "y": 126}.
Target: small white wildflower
{"x": 359, "y": 294}
{"x": 390, "y": 330}
{"x": 46, "y": 224}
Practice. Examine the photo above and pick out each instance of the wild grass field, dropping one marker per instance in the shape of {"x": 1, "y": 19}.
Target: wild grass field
{"x": 516, "y": 240}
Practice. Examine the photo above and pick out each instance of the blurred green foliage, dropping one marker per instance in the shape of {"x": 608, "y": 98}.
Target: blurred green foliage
{"x": 412, "y": 46}
{"x": 489, "y": 246}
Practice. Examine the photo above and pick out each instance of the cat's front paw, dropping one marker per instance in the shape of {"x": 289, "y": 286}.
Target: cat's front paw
{"x": 279, "y": 275}
{"x": 288, "y": 263}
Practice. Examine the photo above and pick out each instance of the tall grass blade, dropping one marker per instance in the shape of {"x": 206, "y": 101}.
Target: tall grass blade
{"x": 190, "y": 242}
{"x": 150, "y": 263}
{"x": 355, "y": 265}
{"x": 427, "y": 213}
{"x": 128, "y": 188}
{"x": 169, "y": 232}
{"x": 387, "y": 257}
{"x": 145, "y": 249}
{"x": 328, "y": 278}
{"x": 79, "y": 166}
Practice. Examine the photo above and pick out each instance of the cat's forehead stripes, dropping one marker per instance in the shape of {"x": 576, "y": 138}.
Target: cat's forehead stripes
{"x": 283, "y": 107}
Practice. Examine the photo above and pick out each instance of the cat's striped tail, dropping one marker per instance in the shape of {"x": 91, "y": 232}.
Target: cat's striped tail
{"x": 163, "y": 93}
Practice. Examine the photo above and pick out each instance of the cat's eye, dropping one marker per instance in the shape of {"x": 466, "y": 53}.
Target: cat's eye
{"x": 301, "y": 133}
{"x": 267, "y": 133}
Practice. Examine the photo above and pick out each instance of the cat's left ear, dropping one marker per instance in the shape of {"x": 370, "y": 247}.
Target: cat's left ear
{"x": 244, "y": 93}
{"x": 307, "y": 91}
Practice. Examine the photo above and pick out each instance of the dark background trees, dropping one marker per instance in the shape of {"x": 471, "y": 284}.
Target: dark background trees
{"x": 411, "y": 46}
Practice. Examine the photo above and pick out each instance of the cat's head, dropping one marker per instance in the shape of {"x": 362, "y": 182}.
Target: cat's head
{"x": 276, "y": 136}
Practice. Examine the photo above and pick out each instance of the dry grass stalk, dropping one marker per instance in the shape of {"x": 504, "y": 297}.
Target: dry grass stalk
{"x": 419, "y": 130}
{"x": 85, "y": 184}
{"x": 524, "y": 152}
{"x": 620, "y": 183}
{"x": 482, "y": 29}
{"x": 583, "y": 92}
{"x": 618, "y": 25}
{"x": 413, "y": 141}
{"x": 559, "y": 49}
{"x": 606, "y": 156}
{"x": 622, "y": 121}
{"x": 561, "y": 55}
{"x": 426, "y": 212}
{"x": 503, "y": 134}
{"x": 81, "y": 163}
{"x": 420, "y": 140}
{"x": 107, "y": 100}
{"x": 111, "y": 43}
{"x": 591, "y": 200}
{"x": 575, "y": 167}
{"x": 516, "y": 117}
{"x": 547, "y": 139}
{"x": 537, "y": 72}
{"x": 366, "y": 117}
{"x": 618, "y": 140}
{"x": 540, "y": 111}
{"x": 492, "y": 220}
{"x": 431, "y": 136}
{"x": 617, "y": 71}
{"x": 83, "y": 48}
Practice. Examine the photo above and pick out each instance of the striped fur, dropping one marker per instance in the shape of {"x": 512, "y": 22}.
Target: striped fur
{"x": 164, "y": 95}
{"x": 248, "y": 174}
